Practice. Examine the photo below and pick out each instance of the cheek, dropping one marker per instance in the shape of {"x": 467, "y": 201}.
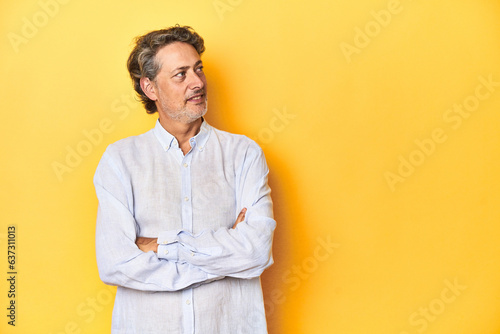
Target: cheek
{"x": 175, "y": 97}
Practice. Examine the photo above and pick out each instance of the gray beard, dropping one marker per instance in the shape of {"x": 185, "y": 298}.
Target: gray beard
{"x": 187, "y": 117}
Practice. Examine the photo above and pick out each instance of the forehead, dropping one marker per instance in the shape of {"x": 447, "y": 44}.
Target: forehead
{"x": 177, "y": 54}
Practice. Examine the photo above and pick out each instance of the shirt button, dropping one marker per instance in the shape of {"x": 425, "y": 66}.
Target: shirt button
{"x": 186, "y": 199}
{"x": 185, "y": 165}
{"x": 188, "y": 302}
{"x": 166, "y": 252}
{"x": 192, "y": 254}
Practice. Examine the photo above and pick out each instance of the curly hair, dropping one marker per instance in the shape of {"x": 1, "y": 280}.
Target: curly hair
{"x": 142, "y": 61}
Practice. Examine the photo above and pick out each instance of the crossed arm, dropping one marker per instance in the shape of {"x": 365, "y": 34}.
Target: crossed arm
{"x": 125, "y": 259}
{"x": 151, "y": 244}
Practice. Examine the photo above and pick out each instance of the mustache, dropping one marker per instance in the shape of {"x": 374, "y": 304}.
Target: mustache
{"x": 196, "y": 92}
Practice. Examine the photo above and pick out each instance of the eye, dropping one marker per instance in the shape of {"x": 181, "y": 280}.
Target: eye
{"x": 199, "y": 69}
{"x": 180, "y": 74}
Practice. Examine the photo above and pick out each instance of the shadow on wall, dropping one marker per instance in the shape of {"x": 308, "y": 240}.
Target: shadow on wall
{"x": 274, "y": 279}
{"x": 277, "y": 281}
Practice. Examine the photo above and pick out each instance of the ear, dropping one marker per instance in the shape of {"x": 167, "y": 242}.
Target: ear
{"x": 149, "y": 88}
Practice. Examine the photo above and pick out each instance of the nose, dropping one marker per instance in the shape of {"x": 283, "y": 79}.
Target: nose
{"x": 196, "y": 81}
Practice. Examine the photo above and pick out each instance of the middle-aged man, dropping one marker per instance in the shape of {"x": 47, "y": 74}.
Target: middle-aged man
{"x": 185, "y": 221}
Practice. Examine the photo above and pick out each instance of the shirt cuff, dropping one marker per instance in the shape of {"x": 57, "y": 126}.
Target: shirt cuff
{"x": 168, "y": 251}
{"x": 168, "y": 237}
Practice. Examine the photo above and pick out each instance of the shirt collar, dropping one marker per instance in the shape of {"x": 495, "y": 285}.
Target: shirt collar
{"x": 167, "y": 140}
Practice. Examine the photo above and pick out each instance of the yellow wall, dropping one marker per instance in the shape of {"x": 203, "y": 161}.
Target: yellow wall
{"x": 379, "y": 120}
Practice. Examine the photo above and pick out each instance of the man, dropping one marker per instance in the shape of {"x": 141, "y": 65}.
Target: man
{"x": 185, "y": 221}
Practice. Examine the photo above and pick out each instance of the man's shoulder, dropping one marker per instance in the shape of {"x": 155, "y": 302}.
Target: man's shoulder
{"x": 131, "y": 144}
{"x": 235, "y": 140}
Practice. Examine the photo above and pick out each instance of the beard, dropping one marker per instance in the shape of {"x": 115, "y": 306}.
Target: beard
{"x": 187, "y": 114}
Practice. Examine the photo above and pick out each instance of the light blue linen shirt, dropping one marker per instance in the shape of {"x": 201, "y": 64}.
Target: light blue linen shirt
{"x": 205, "y": 277}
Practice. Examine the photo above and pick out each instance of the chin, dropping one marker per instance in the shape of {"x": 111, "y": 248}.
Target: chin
{"x": 195, "y": 115}
{"x": 188, "y": 115}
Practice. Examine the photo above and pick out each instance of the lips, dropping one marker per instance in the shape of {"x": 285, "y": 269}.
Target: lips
{"x": 197, "y": 98}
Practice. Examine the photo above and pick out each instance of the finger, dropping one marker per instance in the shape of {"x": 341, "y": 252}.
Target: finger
{"x": 144, "y": 240}
{"x": 241, "y": 217}
{"x": 141, "y": 240}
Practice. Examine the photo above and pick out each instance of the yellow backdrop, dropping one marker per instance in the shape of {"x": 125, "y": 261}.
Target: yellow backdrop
{"x": 380, "y": 124}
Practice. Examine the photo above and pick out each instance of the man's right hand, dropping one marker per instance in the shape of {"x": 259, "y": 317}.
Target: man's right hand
{"x": 147, "y": 244}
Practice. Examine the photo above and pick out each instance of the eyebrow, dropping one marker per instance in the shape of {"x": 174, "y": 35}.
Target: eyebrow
{"x": 183, "y": 68}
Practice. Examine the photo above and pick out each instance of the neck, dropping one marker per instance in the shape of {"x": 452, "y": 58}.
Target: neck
{"x": 182, "y": 131}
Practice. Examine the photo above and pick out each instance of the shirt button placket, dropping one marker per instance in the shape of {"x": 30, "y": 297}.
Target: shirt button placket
{"x": 187, "y": 225}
